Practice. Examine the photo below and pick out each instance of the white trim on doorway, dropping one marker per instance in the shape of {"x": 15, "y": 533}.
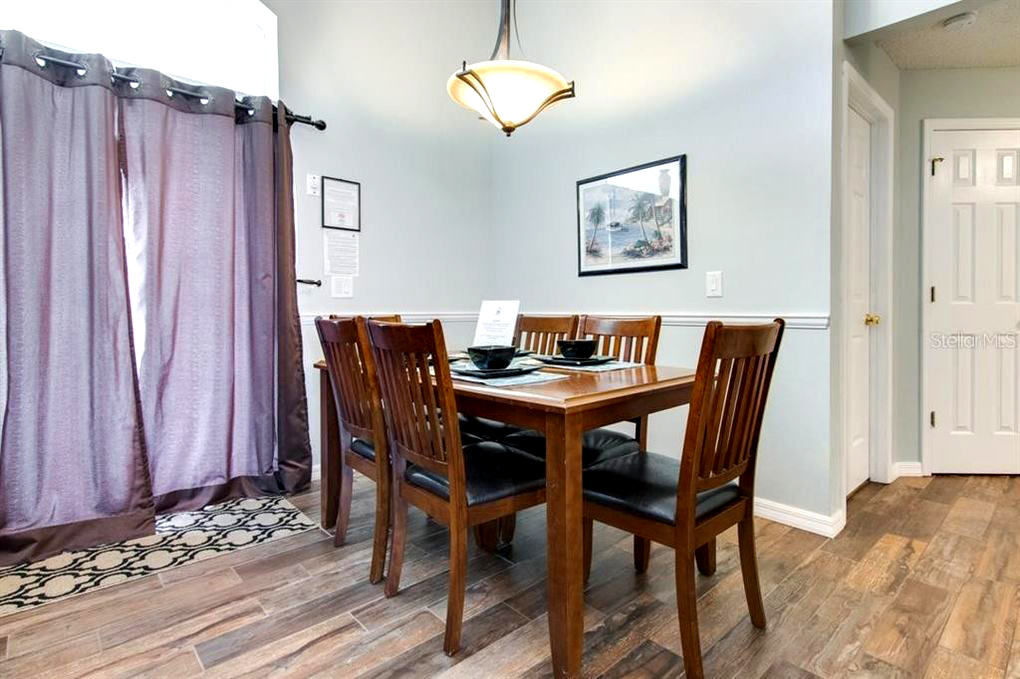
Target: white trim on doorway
{"x": 929, "y": 127}
{"x": 862, "y": 98}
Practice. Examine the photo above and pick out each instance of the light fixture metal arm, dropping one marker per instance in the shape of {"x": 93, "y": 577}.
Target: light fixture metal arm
{"x": 502, "y": 47}
{"x": 472, "y": 80}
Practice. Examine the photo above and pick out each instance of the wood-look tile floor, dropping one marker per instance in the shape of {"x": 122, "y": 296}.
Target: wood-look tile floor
{"x": 923, "y": 582}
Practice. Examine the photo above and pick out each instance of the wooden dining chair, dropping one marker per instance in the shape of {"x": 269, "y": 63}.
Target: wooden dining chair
{"x": 634, "y": 340}
{"x": 686, "y": 503}
{"x": 355, "y": 388}
{"x": 532, "y": 333}
{"x": 540, "y": 333}
{"x": 627, "y": 339}
{"x": 460, "y": 486}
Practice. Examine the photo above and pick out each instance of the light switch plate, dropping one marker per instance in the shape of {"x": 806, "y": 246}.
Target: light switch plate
{"x": 713, "y": 284}
{"x": 313, "y": 184}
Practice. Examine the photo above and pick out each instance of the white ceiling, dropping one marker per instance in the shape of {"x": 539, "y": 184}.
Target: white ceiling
{"x": 992, "y": 41}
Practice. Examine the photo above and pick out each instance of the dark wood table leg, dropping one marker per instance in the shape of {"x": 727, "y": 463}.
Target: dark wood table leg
{"x": 329, "y": 450}
{"x": 565, "y": 544}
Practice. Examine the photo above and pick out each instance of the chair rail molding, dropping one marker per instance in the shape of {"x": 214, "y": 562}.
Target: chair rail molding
{"x": 798, "y": 321}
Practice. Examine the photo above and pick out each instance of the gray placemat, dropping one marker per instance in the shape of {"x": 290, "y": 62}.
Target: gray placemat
{"x": 605, "y": 367}
{"x": 513, "y": 381}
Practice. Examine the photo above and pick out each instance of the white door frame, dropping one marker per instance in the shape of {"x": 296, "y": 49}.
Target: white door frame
{"x": 863, "y": 98}
{"x": 930, "y": 127}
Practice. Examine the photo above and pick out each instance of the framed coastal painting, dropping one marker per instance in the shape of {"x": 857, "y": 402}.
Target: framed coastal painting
{"x": 633, "y": 219}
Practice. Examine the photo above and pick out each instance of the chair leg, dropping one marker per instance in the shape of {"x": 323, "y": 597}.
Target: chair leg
{"x": 705, "y": 558}
{"x": 642, "y": 553}
{"x": 487, "y": 535}
{"x": 687, "y": 611}
{"x": 588, "y": 528}
{"x": 397, "y": 546}
{"x": 507, "y": 528}
{"x": 343, "y": 515}
{"x": 382, "y": 531}
{"x": 496, "y": 534}
{"x": 455, "y": 599}
{"x": 749, "y": 569}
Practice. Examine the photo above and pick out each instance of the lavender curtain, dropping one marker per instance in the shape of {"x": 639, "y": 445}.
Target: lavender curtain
{"x": 72, "y": 463}
{"x": 295, "y": 450}
{"x": 202, "y": 283}
{"x": 150, "y": 330}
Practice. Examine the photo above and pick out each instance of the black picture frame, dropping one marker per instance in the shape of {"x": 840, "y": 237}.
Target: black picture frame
{"x": 322, "y": 203}
{"x": 681, "y": 261}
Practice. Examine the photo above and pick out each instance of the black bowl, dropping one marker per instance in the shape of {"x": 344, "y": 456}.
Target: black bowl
{"x": 577, "y": 348}
{"x": 491, "y": 357}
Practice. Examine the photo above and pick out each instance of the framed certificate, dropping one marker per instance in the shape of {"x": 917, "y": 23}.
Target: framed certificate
{"x": 341, "y": 204}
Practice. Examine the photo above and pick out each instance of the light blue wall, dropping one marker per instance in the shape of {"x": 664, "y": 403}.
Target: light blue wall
{"x": 748, "y": 99}
{"x": 375, "y": 72}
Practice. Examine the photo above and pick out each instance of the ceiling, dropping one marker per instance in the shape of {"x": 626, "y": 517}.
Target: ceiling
{"x": 992, "y": 41}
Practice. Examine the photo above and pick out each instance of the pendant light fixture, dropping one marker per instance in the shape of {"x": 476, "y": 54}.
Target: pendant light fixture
{"x": 507, "y": 92}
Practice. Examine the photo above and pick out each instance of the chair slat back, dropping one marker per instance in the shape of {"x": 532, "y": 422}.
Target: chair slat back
{"x": 349, "y": 363}
{"x": 540, "y": 333}
{"x": 628, "y": 339}
{"x": 727, "y": 406}
{"x": 421, "y": 416}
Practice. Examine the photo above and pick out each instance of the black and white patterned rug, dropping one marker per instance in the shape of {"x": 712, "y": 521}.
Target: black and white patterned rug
{"x": 180, "y": 539}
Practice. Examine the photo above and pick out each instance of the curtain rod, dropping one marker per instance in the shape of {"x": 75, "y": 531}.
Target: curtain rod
{"x": 196, "y": 94}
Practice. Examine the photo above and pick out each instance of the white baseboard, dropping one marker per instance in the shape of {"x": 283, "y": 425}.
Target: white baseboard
{"x": 906, "y": 469}
{"x": 812, "y": 522}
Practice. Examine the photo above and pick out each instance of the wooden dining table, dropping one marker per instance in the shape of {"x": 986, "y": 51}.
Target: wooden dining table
{"x": 563, "y": 410}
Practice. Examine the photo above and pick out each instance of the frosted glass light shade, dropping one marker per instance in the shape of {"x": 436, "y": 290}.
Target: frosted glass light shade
{"x": 508, "y": 93}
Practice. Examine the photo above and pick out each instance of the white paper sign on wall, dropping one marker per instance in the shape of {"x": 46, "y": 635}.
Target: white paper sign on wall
{"x": 341, "y": 286}
{"x": 340, "y": 253}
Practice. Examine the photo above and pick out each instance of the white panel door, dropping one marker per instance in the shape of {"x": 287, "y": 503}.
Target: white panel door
{"x": 858, "y": 297}
{"x": 972, "y": 250}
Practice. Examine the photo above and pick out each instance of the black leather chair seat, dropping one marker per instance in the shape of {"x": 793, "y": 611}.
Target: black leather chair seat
{"x": 645, "y": 485}
{"x": 492, "y": 471}
{"x": 597, "y": 445}
{"x": 484, "y": 428}
{"x": 363, "y": 448}
{"x": 366, "y": 449}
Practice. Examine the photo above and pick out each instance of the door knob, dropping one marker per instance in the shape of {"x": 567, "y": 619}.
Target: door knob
{"x": 872, "y": 319}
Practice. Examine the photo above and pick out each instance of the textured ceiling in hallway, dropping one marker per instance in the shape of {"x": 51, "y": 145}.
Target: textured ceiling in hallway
{"x": 992, "y": 41}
